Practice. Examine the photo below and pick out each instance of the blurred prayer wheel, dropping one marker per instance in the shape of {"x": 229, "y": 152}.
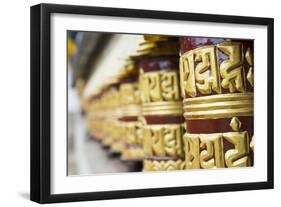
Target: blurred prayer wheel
{"x": 217, "y": 86}
{"x": 94, "y": 117}
{"x": 114, "y": 113}
{"x": 161, "y": 104}
{"x": 131, "y": 110}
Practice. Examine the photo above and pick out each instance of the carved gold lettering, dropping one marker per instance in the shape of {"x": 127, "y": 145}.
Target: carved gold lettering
{"x": 207, "y": 150}
{"x": 169, "y": 86}
{"x": 239, "y": 156}
{"x": 212, "y": 154}
{"x": 250, "y": 74}
{"x": 201, "y": 72}
{"x": 232, "y": 71}
{"x": 163, "y": 140}
{"x": 192, "y": 151}
{"x": 159, "y": 86}
{"x": 206, "y": 71}
{"x": 172, "y": 140}
{"x": 187, "y": 76}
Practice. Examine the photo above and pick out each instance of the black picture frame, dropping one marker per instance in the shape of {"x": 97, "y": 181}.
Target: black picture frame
{"x": 41, "y": 102}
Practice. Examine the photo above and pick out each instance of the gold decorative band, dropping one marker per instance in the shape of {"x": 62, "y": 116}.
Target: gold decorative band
{"x": 131, "y": 110}
{"x": 117, "y": 146}
{"x": 107, "y": 141}
{"x": 162, "y": 108}
{"x": 132, "y": 153}
{"x": 112, "y": 114}
{"x": 163, "y": 165}
{"x": 219, "y": 106}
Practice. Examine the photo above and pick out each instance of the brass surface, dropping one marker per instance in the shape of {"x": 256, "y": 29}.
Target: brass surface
{"x": 219, "y": 106}
{"x": 207, "y": 150}
{"x": 163, "y": 165}
{"x": 200, "y": 71}
{"x": 162, "y": 108}
{"x": 163, "y": 140}
{"x": 159, "y": 86}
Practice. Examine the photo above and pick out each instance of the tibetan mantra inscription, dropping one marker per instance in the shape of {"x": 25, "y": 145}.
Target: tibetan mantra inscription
{"x": 216, "y": 78}
{"x": 167, "y": 111}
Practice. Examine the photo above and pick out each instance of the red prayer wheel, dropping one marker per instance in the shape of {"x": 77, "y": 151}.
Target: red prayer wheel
{"x": 161, "y": 104}
{"x": 216, "y": 76}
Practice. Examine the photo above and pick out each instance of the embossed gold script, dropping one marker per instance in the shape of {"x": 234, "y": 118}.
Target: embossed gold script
{"x": 201, "y": 72}
{"x": 159, "y": 86}
{"x": 207, "y": 150}
{"x": 163, "y": 140}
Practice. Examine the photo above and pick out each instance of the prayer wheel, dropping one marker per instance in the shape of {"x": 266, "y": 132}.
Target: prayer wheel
{"x": 114, "y": 113}
{"x": 216, "y": 76}
{"x": 131, "y": 110}
{"x": 161, "y": 104}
